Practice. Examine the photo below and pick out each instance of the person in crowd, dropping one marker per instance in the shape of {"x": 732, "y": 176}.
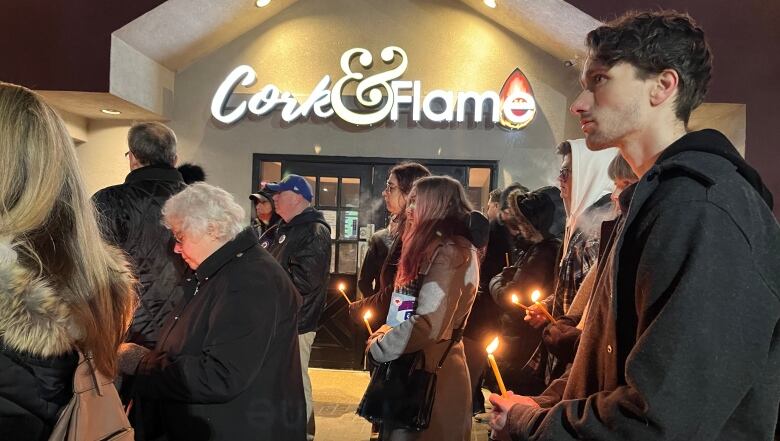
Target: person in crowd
{"x": 130, "y": 219}
{"x": 562, "y": 338}
{"x": 696, "y": 249}
{"x": 440, "y": 263}
{"x": 484, "y": 319}
{"x": 494, "y": 205}
{"x": 585, "y": 190}
{"x": 265, "y": 211}
{"x": 191, "y": 173}
{"x": 539, "y": 218}
{"x": 227, "y": 365}
{"x": 300, "y": 242}
{"x": 62, "y": 288}
{"x": 396, "y": 193}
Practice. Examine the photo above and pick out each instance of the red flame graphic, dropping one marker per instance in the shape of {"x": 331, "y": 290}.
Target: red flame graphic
{"x": 515, "y": 83}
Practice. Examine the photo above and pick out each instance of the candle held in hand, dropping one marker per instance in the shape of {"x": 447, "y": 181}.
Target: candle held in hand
{"x": 516, "y": 301}
{"x": 492, "y": 360}
{"x": 366, "y": 317}
{"x": 535, "y": 298}
{"x": 341, "y": 288}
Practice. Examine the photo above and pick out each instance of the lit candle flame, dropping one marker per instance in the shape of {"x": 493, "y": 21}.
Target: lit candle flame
{"x": 341, "y": 287}
{"x": 515, "y": 300}
{"x": 492, "y": 361}
{"x": 366, "y": 316}
{"x": 492, "y": 346}
{"x": 535, "y": 296}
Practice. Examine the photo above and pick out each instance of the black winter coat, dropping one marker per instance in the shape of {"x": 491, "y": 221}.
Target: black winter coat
{"x": 32, "y": 392}
{"x": 130, "y": 219}
{"x": 681, "y": 341}
{"x": 227, "y": 366}
{"x": 302, "y": 247}
{"x": 371, "y": 271}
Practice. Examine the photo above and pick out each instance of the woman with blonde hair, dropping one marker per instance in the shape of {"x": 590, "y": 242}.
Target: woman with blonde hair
{"x": 438, "y": 272}
{"x": 62, "y": 289}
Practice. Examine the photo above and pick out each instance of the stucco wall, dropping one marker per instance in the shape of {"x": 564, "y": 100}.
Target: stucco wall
{"x": 449, "y": 47}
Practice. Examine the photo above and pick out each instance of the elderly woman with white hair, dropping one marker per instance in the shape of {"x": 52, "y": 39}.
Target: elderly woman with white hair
{"x": 226, "y": 366}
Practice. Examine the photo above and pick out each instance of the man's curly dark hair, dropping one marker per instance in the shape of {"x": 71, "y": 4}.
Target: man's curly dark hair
{"x": 653, "y": 42}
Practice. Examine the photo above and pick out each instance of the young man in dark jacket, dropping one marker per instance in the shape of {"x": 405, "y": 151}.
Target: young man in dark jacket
{"x": 301, "y": 244}
{"x": 681, "y": 337}
{"x": 130, "y": 219}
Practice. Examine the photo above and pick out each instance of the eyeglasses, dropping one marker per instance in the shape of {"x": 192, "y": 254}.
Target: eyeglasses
{"x": 178, "y": 236}
{"x": 127, "y": 153}
{"x": 564, "y": 173}
{"x": 389, "y": 187}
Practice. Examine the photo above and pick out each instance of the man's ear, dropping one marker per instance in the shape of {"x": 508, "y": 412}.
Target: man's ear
{"x": 175, "y": 160}
{"x": 664, "y": 87}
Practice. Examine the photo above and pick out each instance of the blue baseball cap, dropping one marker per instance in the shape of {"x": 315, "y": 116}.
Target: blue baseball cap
{"x": 295, "y": 184}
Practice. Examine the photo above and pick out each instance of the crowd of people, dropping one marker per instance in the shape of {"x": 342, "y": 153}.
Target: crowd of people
{"x": 656, "y": 257}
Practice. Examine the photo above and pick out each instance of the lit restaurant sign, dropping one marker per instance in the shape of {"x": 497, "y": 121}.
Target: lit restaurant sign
{"x": 377, "y": 97}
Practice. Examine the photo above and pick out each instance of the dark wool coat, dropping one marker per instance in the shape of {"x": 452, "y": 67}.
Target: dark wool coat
{"x": 302, "y": 248}
{"x": 227, "y": 365}
{"x": 681, "y": 341}
{"x": 130, "y": 219}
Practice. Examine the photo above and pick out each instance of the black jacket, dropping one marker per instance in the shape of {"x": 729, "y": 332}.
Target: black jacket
{"x": 130, "y": 219}
{"x": 227, "y": 366}
{"x": 484, "y": 318}
{"x": 370, "y": 272}
{"x": 302, "y": 247}
{"x": 681, "y": 341}
{"x": 32, "y": 392}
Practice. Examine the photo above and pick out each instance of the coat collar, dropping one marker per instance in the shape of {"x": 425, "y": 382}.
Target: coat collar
{"x": 231, "y": 250}
{"x": 34, "y": 318}
{"x": 154, "y": 173}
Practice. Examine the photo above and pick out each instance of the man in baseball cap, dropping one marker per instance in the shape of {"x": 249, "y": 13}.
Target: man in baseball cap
{"x": 294, "y": 183}
{"x": 301, "y": 244}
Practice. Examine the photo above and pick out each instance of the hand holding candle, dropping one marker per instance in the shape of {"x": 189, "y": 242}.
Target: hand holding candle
{"x": 366, "y": 317}
{"x": 535, "y": 298}
{"x": 492, "y": 360}
{"x": 342, "y": 287}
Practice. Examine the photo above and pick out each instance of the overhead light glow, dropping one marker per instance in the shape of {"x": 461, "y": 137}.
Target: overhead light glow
{"x": 111, "y": 112}
{"x": 264, "y": 3}
{"x": 488, "y": 3}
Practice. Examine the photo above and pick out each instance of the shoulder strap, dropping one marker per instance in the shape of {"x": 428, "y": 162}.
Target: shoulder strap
{"x": 457, "y": 334}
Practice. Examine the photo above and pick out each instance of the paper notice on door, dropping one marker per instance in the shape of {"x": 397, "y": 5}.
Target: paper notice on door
{"x": 330, "y": 217}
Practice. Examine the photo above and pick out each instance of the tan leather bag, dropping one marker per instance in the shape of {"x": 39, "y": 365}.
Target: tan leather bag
{"x": 95, "y": 412}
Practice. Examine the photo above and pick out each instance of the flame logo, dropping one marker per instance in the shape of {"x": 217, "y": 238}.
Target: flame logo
{"x": 517, "y": 88}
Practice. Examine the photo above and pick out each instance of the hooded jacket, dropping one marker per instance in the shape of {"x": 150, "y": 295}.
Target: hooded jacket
{"x": 131, "y": 220}
{"x": 539, "y": 215}
{"x": 37, "y": 351}
{"x": 302, "y": 247}
{"x": 681, "y": 337}
{"x": 590, "y": 182}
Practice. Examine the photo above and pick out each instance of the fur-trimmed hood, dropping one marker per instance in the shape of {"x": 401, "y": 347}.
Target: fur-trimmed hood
{"x": 34, "y": 319}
